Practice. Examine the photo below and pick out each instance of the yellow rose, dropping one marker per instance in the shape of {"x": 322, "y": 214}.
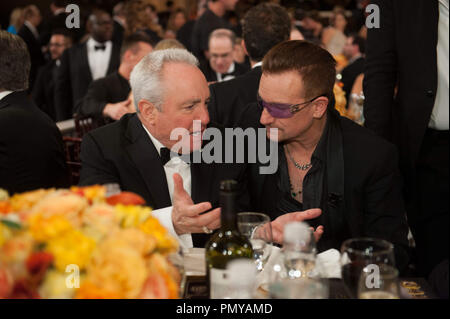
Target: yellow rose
{"x": 72, "y": 247}
{"x": 44, "y": 229}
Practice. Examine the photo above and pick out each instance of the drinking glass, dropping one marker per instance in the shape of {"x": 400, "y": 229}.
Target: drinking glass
{"x": 258, "y": 229}
{"x": 358, "y": 253}
{"x": 379, "y": 282}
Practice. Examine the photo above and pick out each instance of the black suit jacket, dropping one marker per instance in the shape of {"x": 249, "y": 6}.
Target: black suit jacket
{"x": 111, "y": 89}
{"x": 229, "y": 98}
{"x": 361, "y": 187}
{"x": 118, "y": 33}
{"x": 402, "y": 52}
{"x": 31, "y": 147}
{"x": 34, "y": 48}
{"x": 74, "y": 76}
{"x": 123, "y": 153}
{"x": 44, "y": 89}
{"x": 349, "y": 75}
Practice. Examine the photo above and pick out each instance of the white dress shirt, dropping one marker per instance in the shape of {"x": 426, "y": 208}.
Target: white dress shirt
{"x": 440, "y": 116}
{"x": 164, "y": 215}
{"x": 98, "y": 59}
{"x": 228, "y": 77}
{"x": 4, "y": 93}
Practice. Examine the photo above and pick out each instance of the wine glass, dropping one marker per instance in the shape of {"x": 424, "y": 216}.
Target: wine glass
{"x": 379, "y": 282}
{"x": 358, "y": 253}
{"x": 258, "y": 229}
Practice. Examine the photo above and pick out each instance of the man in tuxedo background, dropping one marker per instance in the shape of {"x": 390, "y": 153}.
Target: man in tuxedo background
{"x": 31, "y": 147}
{"x": 264, "y": 26}
{"x": 107, "y": 98}
{"x": 84, "y": 63}
{"x": 29, "y": 33}
{"x": 119, "y": 22}
{"x": 354, "y": 50}
{"x": 210, "y": 20}
{"x": 220, "y": 65}
{"x": 170, "y": 92}
{"x": 406, "y": 89}
{"x": 44, "y": 89}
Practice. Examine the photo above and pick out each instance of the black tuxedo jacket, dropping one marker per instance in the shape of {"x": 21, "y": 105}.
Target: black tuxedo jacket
{"x": 34, "y": 48}
{"x": 402, "y": 52}
{"x": 361, "y": 187}
{"x": 44, "y": 89}
{"x": 31, "y": 147}
{"x": 74, "y": 76}
{"x": 118, "y": 33}
{"x": 349, "y": 75}
{"x": 229, "y": 98}
{"x": 111, "y": 89}
{"x": 123, "y": 153}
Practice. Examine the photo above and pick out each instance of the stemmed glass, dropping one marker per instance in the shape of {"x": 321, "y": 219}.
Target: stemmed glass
{"x": 258, "y": 229}
{"x": 357, "y": 254}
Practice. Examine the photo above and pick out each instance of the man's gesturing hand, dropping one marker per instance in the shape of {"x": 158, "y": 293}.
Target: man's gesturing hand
{"x": 117, "y": 110}
{"x": 278, "y": 224}
{"x": 186, "y": 216}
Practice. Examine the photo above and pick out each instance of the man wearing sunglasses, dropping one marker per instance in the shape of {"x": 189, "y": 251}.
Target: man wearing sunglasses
{"x": 325, "y": 161}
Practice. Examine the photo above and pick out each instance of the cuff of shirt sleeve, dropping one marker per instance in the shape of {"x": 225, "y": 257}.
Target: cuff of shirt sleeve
{"x": 164, "y": 215}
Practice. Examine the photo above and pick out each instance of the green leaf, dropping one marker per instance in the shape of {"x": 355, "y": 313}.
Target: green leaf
{"x": 11, "y": 224}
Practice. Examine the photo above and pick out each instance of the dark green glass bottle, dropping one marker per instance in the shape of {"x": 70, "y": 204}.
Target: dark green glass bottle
{"x": 226, "y": 244}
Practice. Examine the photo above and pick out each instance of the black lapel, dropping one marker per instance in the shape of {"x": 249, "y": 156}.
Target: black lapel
{"x": 146, "y": 158}
{"x": 115, "y": 57}
{"x": 335, "y": 169}
{"x": 85, "y": 62}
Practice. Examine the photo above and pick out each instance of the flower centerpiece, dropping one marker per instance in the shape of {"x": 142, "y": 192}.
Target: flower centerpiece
{"x": 78, "y": 243}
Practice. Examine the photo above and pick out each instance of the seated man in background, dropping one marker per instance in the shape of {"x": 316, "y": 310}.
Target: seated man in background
{"x": 264, "y": 26}
{"x": 31, "y": 147}
{"x": 325, "y": 161}
{"x": 221, "y": 66}
{"x": 354, "y": 50}
{"x": 107, "y": 98}
{"x": 44, "y": 89}
{"x": 135, "y": 152}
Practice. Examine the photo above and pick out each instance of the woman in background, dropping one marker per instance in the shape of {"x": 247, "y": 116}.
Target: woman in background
{"x": 333, "y": 37}
{"x": 16, "y": 21}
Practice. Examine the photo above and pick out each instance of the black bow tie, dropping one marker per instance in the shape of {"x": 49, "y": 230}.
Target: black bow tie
{"x": 100, "y": 47}
{"x": 226, "y": 74}
{"x": 167, "y": 154}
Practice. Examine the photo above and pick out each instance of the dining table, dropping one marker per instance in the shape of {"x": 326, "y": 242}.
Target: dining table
{"x": 194, "y": 285}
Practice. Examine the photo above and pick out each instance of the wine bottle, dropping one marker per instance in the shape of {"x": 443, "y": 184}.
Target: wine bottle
{"x": 226, "y": 244}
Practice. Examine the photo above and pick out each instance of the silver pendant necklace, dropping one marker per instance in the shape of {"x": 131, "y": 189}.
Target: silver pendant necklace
{"x": 302, "y": 167}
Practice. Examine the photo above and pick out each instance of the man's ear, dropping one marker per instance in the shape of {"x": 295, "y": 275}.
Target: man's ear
{"x": 207, "y": 55}
{"x": 320, "y": 106}
{"x": 147, "y": 110}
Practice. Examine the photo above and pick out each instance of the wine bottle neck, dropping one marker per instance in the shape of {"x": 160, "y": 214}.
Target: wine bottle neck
{"x": 228, "y": 211}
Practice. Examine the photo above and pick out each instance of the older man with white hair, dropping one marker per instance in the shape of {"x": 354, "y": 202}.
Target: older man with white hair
{"x": 170, "y": 93}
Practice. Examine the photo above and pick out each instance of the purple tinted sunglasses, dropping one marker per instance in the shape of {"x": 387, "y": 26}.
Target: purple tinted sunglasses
{"x": 283, "y": 111}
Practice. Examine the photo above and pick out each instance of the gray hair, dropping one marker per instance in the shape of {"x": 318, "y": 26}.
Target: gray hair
{"x": 145, "y": 79}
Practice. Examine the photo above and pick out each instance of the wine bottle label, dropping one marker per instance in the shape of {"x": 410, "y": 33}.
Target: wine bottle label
{"x": 218, "y": 283}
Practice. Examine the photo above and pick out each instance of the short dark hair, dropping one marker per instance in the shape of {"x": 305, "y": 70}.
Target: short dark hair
{"x": 360, "y": 42}
{"x": 14, "y": 62}
{"x": 66, "y": 33}
{"x": 265, "y": 26}
{"x": 315, "y": 65}
{"x": 132, "y": 40}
